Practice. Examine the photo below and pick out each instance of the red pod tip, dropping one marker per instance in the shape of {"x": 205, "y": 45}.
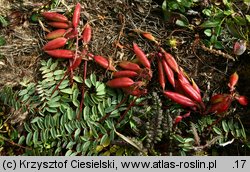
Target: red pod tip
{"x": 242, "y": 100}
{"x": 177, "y": 119}
{"x": 188, "y": 89}
{"x": 171, "y": 61}
{"x": 53, "y": 16}
{"x": 161, "y": 75}
{"x": 222, "y": 106}
{"x": 125, "y": 73}
{"x": 59, "y": 25}
{"x": 76, "y": 62}
{"x": 195, "y": 86}
{"x": 102, "y": 61}
{"x": 120, "y": 82}
{"x": 56, "y": 34}
{"x": 54, "y": 44}
{"x": 149, "y": 36}
{"x": 76, "y": 15}
{"x": 68, "y": 54}
{"x": 233, "y": 80}
{"x": 141, "y": 56}
{"x": 217, "y": 98}
{"x": 130, "y": 66}
{"x": 169, "y": 72}
{"x": 86, "y": 34}
{"x": 180, "y": 99}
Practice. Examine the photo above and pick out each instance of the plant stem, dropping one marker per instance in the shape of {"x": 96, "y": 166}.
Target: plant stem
{"x": 117, "y": 106}
{"x": 125, "y": 113}
{"x": 13, "y": 143}
{"x": 83, "y": 90}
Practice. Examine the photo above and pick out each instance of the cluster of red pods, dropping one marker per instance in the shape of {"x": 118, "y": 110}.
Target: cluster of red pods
{"x": 66, "y": 30}
{"x": 133, "y": 78}
{"x": 220, "y": 103}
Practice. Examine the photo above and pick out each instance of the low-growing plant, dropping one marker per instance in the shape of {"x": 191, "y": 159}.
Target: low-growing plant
{"x": 221, "y": 22}
{"x": 72, "y": 114}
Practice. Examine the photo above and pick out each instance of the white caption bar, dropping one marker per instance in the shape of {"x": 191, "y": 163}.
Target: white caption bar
{"x": 135, "y": 163}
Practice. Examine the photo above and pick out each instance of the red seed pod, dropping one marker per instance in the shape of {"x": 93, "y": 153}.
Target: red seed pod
{"x": 86, "y": 34}
{"x": 59, "y": 53}
{"x": 161, "y": 76}
{"x": 120, "y": 82}
{"x": 188, "y": 89}
{"x": 102, "y": 61}
{"x": 149, "y": 36}
{"x": 54, "y": 44}
{"x": 76, "y": 62}
{"x": 130, "y": 66}
{"x": 217, "y": 98}
{"x": 125, "y": 73}
{"x": 169, "y": 72}
{"x": 183, "y": 76}
{"x": 177, "y": 119}
{"x": 221, "y": 107}
{"x": 55, "y": 34}
{"x": 233, "y": 81}
{"x": 170, "y": 61}
{"x": 71, "y": 33}
{"x": 180, "y": 99}
{"x": 141, "y": 56}
{"x": 242, "y": 100}
{"x": 195, "y": 86}
{"x": 59, "y": 25}
{"x": 76, "y": 15}
{"x": 178, "y": 88}
{"x": 53, "y": 16}
{"x": 186, "y": 115}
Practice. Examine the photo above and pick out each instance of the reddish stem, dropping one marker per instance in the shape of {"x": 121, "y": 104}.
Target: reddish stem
{"x": 83, "y": 90}
{"x": 56, "y": 88}
{"x": 125, "y": 113}
{"x": 85, "y": 70}
{"x": 117, "y": 106}
{"x": 71, "y": 71}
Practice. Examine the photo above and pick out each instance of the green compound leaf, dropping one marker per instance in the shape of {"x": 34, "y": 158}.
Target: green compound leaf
{"x": 225, "y": 126}
{"x": 59, "y": 72}
{"x": 78, "y": 79}
{"x": 21, "y": 140}
{"x": 88, "y": 83}
{"x": 210, "y": 23}
{"x": 28, "y": 139}
{"x": 86, "y": 146}
{"x": 77, "y": 133}
{"x": 68, "y": 153}
{"x": 105, "y": 141}
{"x": 86, "y": 114}
{"x": 67, "y": 91}
{"x": 93, "y": 79}
{"x": 217, "y": 130}
{"x": 35, "y": 137}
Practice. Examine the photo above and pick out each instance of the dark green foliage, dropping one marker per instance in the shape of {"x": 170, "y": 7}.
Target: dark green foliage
{"x": 154, "y": 125}
{"x": 53, "y": 128}
{"x": 221, "y": 22}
